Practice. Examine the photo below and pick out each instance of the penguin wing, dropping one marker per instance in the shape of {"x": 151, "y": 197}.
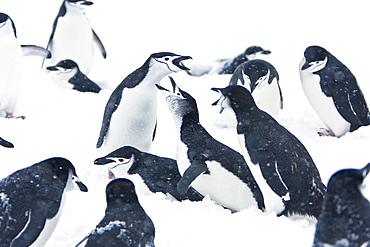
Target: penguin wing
{"x": 197, "y": 167}
{"x": 34, "y": 50}
{"x": 267, "y": 161}
{"x": 347, "y": 97}
{"x": 99, "y": 44}
{"x": 110, "y": 108}
{"x": 5, "y": 143}
{"x": 36, "y": 222}
{"x": 82, "y": 83}
{"x": 237, "y": 75}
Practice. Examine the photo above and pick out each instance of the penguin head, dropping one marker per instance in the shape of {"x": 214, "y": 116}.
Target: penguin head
{"x": 315, "y": 59}
{"x": 65, "y": 69}
{"x": 349, "y": 181}
{"x": 121, "y": 191}
{"x": 256, "y": 74}
{"x": 63, "y": 170}
{"x": 235, "y": 97}
{"x": 81, "y": 4}
{"x": 165, "y": 63}
{"x": 252, "y": 51}
{"x": 7, "y": 25}
{"x": 179, "y": 102}
{"x": 119, "y": 161}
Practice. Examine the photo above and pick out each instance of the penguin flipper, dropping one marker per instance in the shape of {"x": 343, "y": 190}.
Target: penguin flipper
{"x": 237, "y": 75}
{"x": 36, "y": 222}
{"x": 5, "y": 143}
{"x": 99, "y": 44}
{"x": 271, "y": 174}
{"x": 110, "y": 108}
{"x": 34, "y": 50}
{"x": 196, "y": 168}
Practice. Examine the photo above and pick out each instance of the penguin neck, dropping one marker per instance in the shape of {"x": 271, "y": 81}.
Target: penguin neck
{"x": 191, "y": 131}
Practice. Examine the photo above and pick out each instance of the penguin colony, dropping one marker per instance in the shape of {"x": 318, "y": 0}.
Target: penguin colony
{"x": 274, "y": 164}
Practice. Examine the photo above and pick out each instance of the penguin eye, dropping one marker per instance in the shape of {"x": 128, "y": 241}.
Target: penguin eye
{"x": 166, "y": 58}
{"x": 121, "y": 160}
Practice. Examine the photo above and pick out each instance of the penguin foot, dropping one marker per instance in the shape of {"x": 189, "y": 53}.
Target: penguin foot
{"x": 326, "y": 132}
{"x": 10, "y": 115}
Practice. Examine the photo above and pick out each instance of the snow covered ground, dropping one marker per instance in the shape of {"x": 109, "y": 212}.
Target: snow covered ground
{"x": 66, "y": 123}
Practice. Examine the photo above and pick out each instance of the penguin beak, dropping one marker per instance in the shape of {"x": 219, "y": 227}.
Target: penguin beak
{"x": 265, "y": 52}
{"x": 178, "y": 62}
{"x": 52, "y": 68}
{"x": 305, "y": 66}
{"x": 81, "y": 186}
{"x": 103, "y": 161}
{"x": 218, "y": 102}
{"x": 87, "y": 3}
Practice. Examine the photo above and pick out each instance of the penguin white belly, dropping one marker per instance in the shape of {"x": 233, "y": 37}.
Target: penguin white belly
{"x": 267, "y": 98}
{"x": 73, "y": 39}
{"x": 324, "y": 106}
{"x": 133, "y": 122}
{"x": 273, "y": 202}
{"x": 10, "y": 73}
{"x": 224, "y": 188}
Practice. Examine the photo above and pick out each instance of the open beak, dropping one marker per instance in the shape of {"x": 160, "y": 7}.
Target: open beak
{"x": 179, "y": 64}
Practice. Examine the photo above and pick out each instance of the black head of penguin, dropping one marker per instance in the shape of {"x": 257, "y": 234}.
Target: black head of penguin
{"x": 65, "y": 66}
{"x": 235, "y": 97}
{"x": 173, "y": 61}
{"x": 3, "y": 19}
{"x": 121, "y": 191}
{"x": 314, "y": 56}
{"x": 255, "y": 49}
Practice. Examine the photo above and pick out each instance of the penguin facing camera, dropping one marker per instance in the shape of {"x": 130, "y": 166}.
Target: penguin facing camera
{"x": 68, "y": 72}
{"x": 31, "y": 201}
{"x": 72, "y": 36}
{"x": 262, "y": 80}
{"x": 130, "y": 115}
{"x": 333, "y": 92}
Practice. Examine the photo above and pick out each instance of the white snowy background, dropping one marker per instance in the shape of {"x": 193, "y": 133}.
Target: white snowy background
{"x": 66, "y": 123}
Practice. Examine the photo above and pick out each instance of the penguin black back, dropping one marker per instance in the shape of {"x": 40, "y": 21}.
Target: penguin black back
{"x": 125, "y": 222}
{"x": 345, "y": 217}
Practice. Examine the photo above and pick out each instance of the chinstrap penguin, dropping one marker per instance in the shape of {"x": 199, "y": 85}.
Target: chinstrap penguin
{"x": 211, "y": 167}
{"x": 11, "y": 64}
{"x": 345, "y": 217}
{"x": 284, "y": 162}
{"x": 333, "y": 92}
{"x": 72, "y": 37}
{"x": 158, "y": 174}
{"x": 69, "y": 73}
{"x": 131, "y": 111}
{"x": 125, "y": 222}
{"x": 262, "y": 80}
{"x": 31, "y": 201}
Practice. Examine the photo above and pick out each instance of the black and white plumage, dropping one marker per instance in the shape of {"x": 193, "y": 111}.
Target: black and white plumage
{"x": 228, "y": 65}
{"x": 131, "y": 111}
{"x": 72, "y": 36}
{"x": 345, "y": 217}
{"x": 333, "y": 92}
{"x": 284, "y": 162}
{"x": 262, "y": 80}
{"x": 158, "y": 174}
{"x": 125, "y": 222}
{"x": 31, "y": 201}
{"x": 11, "y": 64}
{"x": 68, "y": 72}
{"x": 211, "y": 167}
